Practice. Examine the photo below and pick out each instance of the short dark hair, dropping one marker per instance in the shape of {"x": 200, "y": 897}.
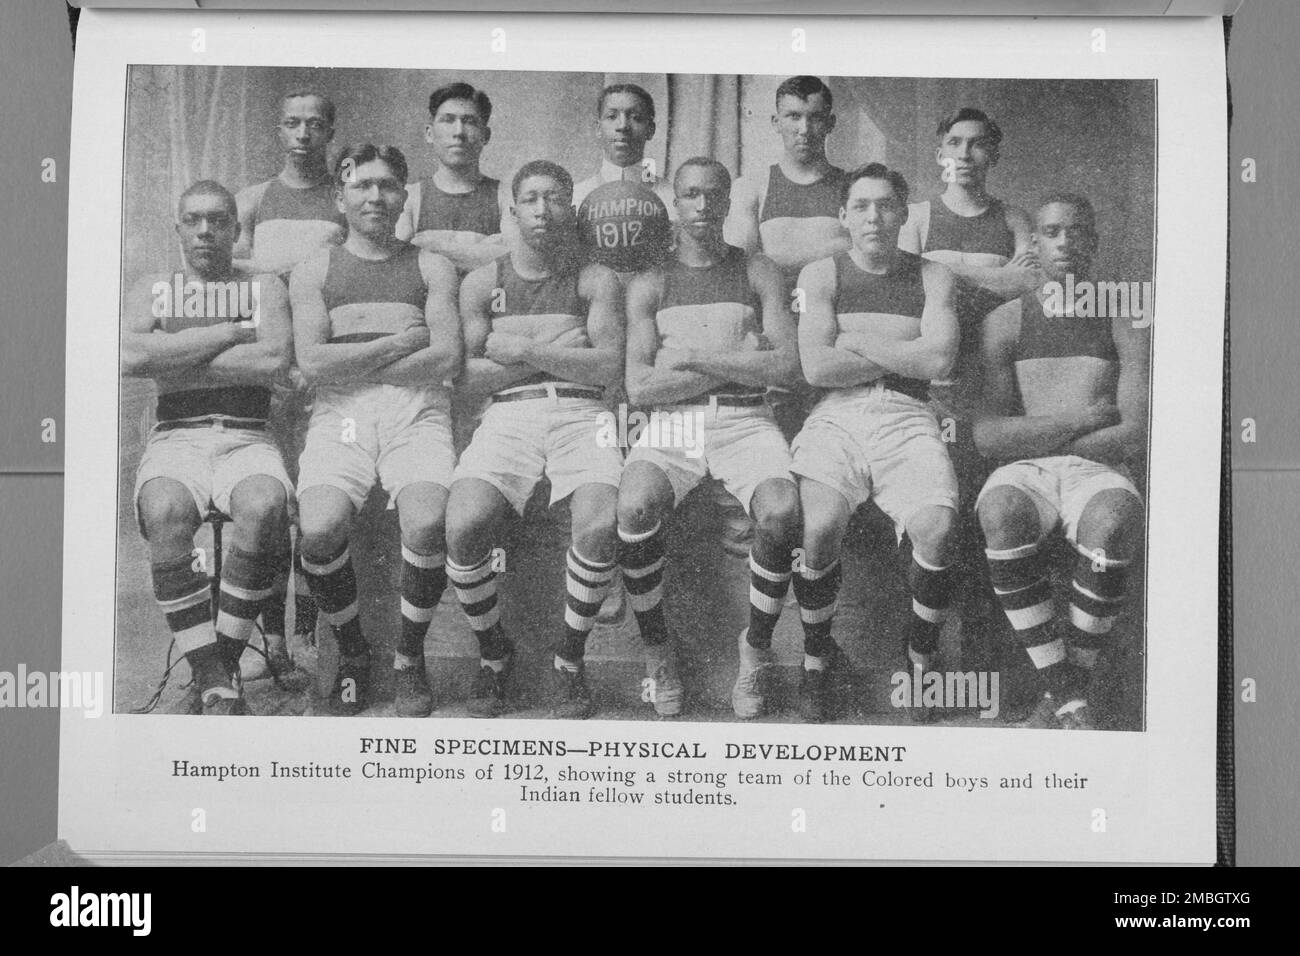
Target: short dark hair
{"x": 1080, "y": 203}
{"x": 358, "y": 154}
{"x": 638, "y": 91}
{"x": 969, "y": 113}
{"x": 704, "y": 162}
{"x": 208, "y": 187}
{"x": 461, "y": 91}
{"x": 803, "y": 87}
{"x": 541, "y": 167}
{"x": 875, "y": 171}
{"x": 326, "y": 104}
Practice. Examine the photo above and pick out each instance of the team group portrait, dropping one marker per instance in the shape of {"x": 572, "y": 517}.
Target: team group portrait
{"x": 575, "y": 395}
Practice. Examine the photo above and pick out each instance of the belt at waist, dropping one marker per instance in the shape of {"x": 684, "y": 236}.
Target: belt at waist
{"x": 911, "y": 387}
{"x": 549, "y": 391}
{"x": 733, "y": 401}
{"x": 212, "y": 421}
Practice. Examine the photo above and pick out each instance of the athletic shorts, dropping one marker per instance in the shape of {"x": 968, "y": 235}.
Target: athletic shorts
{"x": 872, "y": 443}
{"x": 396, "y": 434}
{"x": 740, "y": 446}
{"x": 210, "y": 461}
{"x": 1061, "y": 487}
{"x": 563, "y": 439}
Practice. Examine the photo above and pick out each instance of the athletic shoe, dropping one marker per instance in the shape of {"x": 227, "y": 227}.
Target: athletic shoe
{"x": 414, "y": 696}
{"x": 223, "y": 702}
{"x": 252, "y": 665}
{"x": 572, "y": 697}
{"x": 487, "y": 695}
{"x": 351, "y": 685}
{"x": 748, "y": 695}
{"x": 613, "y": 610}
{"x": 815, "y": 697}
{"x": 665, "y": 684}
{"x": 1045, "y": 717}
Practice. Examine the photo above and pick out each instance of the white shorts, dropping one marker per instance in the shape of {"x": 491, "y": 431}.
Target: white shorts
{"x": 210, "y": 462}
{"x": 517, "y": 443}
{"x": 1060, "y": 487}
{"x": 741, "y": 446}
{"x": 875, "y": 444}
{"x": 398, "y": 434}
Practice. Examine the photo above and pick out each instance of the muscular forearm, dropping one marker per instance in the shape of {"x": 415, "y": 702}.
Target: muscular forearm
{"x": 769, "y": 367}
{"x": 1111, "y": 446}
{"x": 589, "y": 366}
{"x": 789, "y": 259}
{"x": 825, "y": 366}
{"x": 662, "y": 387}
{"x": 467, "y": 251}
{"x": 167, "y": 353}
{"x": 915, "y": 358}
{"x": 1023, "y": 436}
{"x": 251, "y": 364}
{"x": 425, "y": 367}
{"x": 1005, "y": 282}
{"x": 341, "y": 363}
{"x": 483, "y": 376}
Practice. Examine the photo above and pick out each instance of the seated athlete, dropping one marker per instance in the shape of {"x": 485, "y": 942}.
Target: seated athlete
{"x": 376, "y": 332}
{"x": 544, "y": 337}
{"x": 1065, "y": 401}
{"x": 707, "y": 332}
{"x": 210, "y": 448}
{"x": 880, "y": 324}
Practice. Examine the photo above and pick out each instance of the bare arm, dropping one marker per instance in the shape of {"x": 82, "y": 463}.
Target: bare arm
{"x": 335, "y": 363}
{"x": 1012, "y": 279}
{"x": 646, "y": 383}
{"x": 246, "y": 201}
{"x": 909, "y": 237}
{"x": 440, "y": 360}
{"x": 594, "y": 359}
{"x": 825, "y": 365}
{"x": 265, "y": 361}
{"x": 777, "y": 365}
{"x": 149, "y": 352}
{"x": 481, "y": 374}
{"x": 1127, "y": 439}
{"x": 932, "y": 353}
{"x": 1001, "y": 431}
{"x": 741, "y": 227}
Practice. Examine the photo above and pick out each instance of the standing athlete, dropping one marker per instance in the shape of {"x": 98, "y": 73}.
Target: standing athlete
{"x": 880, "y": 324}
{"x": 985, "y": 242}
{"x": 457, "y": 212}
{"x": 707, "y": 332}
{"x": 1065, "y": 402}
{"x": 625, "y": 115}
{"x": 544, "y": 337}
{"x": 283, "y": 221}
{"x": 377, "y": 334}
{"x": 210, "y": 448}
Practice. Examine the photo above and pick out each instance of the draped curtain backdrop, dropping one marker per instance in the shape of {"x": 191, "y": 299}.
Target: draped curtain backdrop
{"x": 186, "y": 123}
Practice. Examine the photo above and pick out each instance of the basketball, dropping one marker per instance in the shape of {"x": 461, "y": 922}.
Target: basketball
{"x": 625, "y": 226}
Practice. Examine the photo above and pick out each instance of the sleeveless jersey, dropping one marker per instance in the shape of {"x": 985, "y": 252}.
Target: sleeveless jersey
{"x": 291, "y": 224}
{"x": 1044, "y": 336}
{"x": 709, "y": 308}
{"x": 861, "y": 296}
{"x": 368, "y": 299}
{"x": 283, "y": 202}
{"x": 237, "y": 401}
{"x": 474, "y": 211}
{"x": 986, "y": 233}
{"x": 791, "y": 200}
{"x": 538, "y": 307}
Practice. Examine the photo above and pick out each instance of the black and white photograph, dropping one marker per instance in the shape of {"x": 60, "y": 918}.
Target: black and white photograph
{"x": 710, "y": 397}
{"x": 732, "y": 437}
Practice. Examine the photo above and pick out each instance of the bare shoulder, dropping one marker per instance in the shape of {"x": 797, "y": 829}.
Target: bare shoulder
{"x": 595, "y": 279}
{"x": 762, "y": 270}
{"x": 248, "y": 198}
{"x": 311, "y": 271}
{"x": 436, "y": 268}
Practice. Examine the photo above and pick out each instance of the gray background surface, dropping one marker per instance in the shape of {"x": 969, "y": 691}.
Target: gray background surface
{"x": 35, "y": 60}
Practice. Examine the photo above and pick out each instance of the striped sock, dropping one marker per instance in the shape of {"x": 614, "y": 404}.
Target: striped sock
{"x": 333, "y": 583}
{"x": 769, "y": 581}
{"x": 1099, "y": 589}
{"x": 424, "y": 578}
{"x": 1021, "y": 585}
{"x": 186, "y": 601}
{"x": 587, "y": 582}
{"x": 642, "y": 558}
{"x": 476, "y": 589}
{"x": 931, "y": 589}
{"x": 816, "y": 592}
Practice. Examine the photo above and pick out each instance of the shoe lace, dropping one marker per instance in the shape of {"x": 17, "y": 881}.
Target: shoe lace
{"x": 750, "y": 677}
